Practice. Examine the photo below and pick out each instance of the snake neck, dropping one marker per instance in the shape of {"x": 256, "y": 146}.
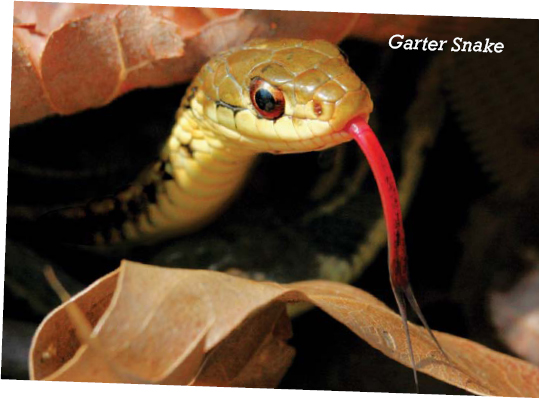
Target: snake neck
{"x": 196, "y": 177}
{"x": 202, "y": 174}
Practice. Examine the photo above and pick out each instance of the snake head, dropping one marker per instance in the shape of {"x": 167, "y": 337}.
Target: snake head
{"x": 279, "y": 96}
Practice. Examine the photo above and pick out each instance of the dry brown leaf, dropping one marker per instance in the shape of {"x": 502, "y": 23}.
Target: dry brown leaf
{"x": 71, "y": 57}
{"x": 474, "y": 367}
{"x": 201, "y": 327}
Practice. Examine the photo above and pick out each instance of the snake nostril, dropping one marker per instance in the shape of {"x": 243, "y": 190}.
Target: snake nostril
{"x": 317, "y": 108}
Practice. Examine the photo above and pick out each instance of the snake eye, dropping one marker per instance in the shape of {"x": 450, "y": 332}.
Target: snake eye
{"x": 268, "y": 100}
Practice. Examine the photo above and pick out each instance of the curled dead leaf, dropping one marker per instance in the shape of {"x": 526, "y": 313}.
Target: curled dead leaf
{"x": 200, "y": 327}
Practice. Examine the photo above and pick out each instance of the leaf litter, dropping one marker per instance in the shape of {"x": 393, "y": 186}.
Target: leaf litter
{"x": 198, "y": 327}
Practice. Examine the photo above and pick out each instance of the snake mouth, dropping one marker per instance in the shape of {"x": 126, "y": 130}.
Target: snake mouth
{"x": 320, "y": 142}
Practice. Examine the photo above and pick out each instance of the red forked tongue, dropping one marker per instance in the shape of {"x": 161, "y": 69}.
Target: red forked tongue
{"x": 398, "y": 259}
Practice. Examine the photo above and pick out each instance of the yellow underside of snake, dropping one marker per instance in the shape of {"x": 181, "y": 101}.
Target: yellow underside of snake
{"x": 268, "y": 96}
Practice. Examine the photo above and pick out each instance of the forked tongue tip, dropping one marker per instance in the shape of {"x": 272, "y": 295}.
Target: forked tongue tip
{"x": 398, "y": 260}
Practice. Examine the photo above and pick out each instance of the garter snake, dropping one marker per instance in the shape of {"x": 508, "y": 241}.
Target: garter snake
{"x": 318, "y": 206}
{"x": 268, "y": 96}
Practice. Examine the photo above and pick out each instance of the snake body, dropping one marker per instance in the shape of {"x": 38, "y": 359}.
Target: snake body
{"x": 273, "y": 96}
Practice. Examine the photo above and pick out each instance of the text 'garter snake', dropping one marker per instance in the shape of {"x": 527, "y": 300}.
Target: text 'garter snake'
{"x": 268, "y": 96}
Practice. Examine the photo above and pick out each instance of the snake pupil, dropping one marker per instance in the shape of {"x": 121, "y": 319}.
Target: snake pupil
{"x": 267, "y": 99}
